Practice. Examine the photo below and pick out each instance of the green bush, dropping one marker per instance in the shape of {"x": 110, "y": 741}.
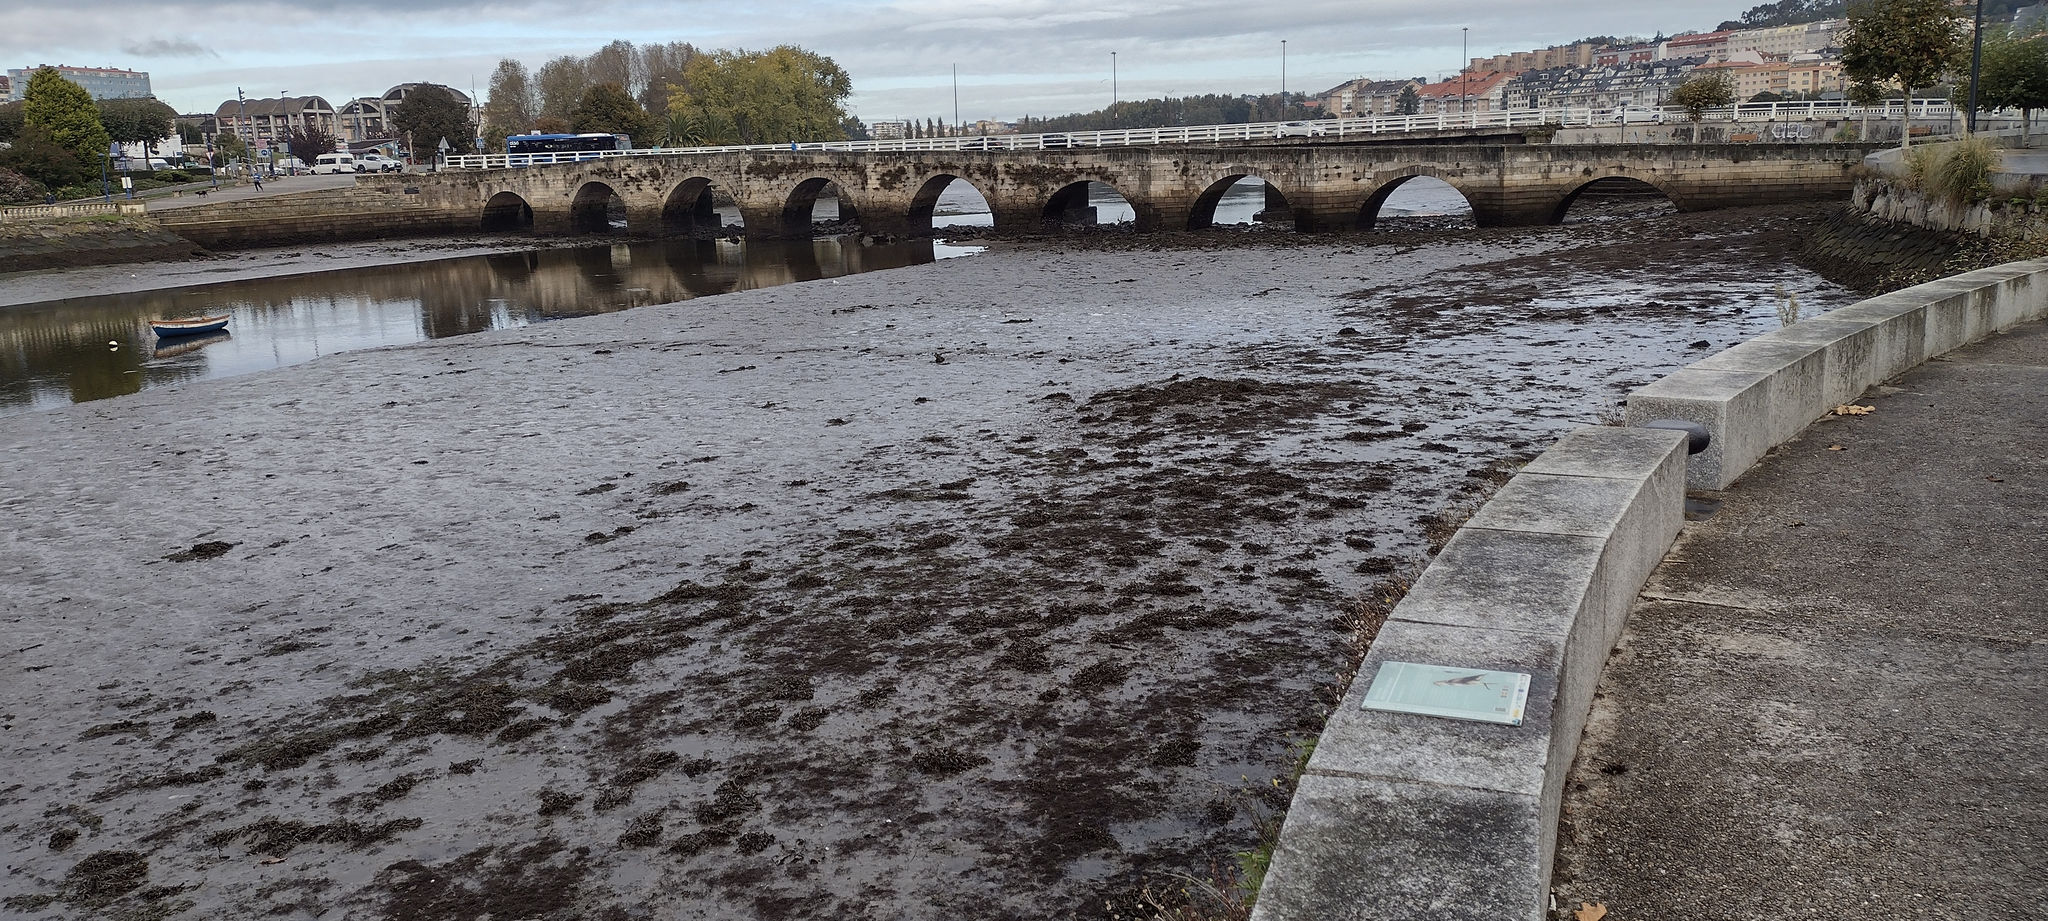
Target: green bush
{"x": 171, "y": 176}
{"x": 17, "y": 189}
{"x": 1963, "y": 172}
{"x": 1920, "y": 163}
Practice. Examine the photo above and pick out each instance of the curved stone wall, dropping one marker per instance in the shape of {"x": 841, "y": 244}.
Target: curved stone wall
{"x": 1402, "y": 816}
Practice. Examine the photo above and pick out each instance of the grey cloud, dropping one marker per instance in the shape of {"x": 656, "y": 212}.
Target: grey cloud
{"x": 169, "y": 48}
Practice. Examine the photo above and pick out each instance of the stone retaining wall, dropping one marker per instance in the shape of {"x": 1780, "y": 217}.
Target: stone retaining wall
{"x": 104, "y": 239}
{"x": 1401, "y": 816}
{"x": 329, "y": 215}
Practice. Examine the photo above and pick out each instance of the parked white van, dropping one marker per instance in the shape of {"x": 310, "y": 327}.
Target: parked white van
{"x": 335, "y": 163}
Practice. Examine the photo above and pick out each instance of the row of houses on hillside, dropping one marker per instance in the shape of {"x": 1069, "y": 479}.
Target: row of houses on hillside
{"x": 1778, "y": 43}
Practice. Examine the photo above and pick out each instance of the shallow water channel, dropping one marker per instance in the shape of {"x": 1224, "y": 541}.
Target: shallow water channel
{"x": 91, "y": 348}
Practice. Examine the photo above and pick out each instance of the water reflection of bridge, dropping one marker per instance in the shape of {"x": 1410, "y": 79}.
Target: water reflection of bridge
{"x": 59, "y": 351}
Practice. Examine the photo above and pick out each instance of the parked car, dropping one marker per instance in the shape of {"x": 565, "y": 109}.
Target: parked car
{"x": 1300, "y": 130}
{"x": 1054, "y": 142}
{"x": 1638, "y": 115}
{"x": 377, "y": 163}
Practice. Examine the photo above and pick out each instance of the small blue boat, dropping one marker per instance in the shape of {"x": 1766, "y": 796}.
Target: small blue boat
{"x": 191, "y": 327}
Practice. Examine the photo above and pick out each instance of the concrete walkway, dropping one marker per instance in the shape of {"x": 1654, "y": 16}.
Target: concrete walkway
{"x": 239, "y": 191}
{"x": 1829, "y": 700}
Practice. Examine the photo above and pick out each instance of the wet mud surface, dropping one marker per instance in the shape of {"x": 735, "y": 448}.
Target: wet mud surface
{"x": 994, "y": 588}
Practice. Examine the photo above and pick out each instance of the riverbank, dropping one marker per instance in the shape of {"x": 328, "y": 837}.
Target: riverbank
{"x": 198, "y": 267}
{"x": 995, "y": 587}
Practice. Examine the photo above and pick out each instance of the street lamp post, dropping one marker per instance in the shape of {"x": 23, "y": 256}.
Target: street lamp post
{"x": 1112, "y": 79}
{"x": 242, "y": 124}
{"x": 1464, "y": 64}
{"x": 956, "y": 98}
{"x": 1283, "y": 79}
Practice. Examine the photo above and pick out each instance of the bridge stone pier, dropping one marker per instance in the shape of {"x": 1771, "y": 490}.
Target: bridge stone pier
{"x": 1326, "y": 187}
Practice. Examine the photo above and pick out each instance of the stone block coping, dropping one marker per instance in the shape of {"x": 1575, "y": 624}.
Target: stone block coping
{"x": 1754, "y": 396}
{"x": 1403, "y": 816}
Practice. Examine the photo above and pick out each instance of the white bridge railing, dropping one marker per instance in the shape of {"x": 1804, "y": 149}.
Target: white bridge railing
{"x": 1922, "y": 110}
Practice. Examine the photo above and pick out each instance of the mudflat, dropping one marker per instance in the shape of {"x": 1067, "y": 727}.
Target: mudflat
{"x": 992, "y": 588}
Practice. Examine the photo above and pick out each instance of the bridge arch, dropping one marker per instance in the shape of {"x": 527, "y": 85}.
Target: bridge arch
{"x": 1275, "y": 201}
{"x": 596, "y": 208}
{"x": 1612, "y": 184}
{"x": 507, "y": 212}
{"x": 688, "y": 208}
{"x": 799, "y": 208}
{"x": 1073, "y": 204}
{"x": 920, "y": 220}
{"x": 1392, "y": 180}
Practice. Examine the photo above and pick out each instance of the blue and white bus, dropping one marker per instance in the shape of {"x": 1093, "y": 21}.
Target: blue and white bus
{"x": 559, "y": 148}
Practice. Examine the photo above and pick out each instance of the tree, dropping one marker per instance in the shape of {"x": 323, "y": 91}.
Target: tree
{"x": 430, "y": 115}
{"x": 1700, "y": 92}
{"x": 784, "y": 94}
{"x": 512, "y": 103}
{"x": 1409, "y": 102}
{"x": 678, "y": 130}
{"x": 309, "y": 143}
{"x": 662, "y": 68}
{"x": 2014, "y": 74}
{"x": 559, "y": 85}
{"x": 65, "y": 115}
{"x": 617, "y": 62}
{"x": 607, "y": 107}
{"x": 10, "y": 120}
{"x": 39, "y": 157}
{"x": 138, "y": 121}
{"x": 1903, "y": 42}
{"x": 227, "y": 148}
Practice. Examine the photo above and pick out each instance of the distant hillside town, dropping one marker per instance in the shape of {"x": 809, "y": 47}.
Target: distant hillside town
{"x": 1783, "y": 62}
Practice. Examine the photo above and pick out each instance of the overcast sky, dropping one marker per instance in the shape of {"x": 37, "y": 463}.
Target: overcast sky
{"x": 1015, "y": 57}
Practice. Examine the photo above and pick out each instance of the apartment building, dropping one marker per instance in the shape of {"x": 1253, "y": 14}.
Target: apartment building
{"x": 1785, "y": 42}
{"x": 265, "y": 123}
{"x": 101, "y": 82}
{"x": 1465, "y": 93}
{"x": 1363, "y": 97}
{"x": 1574, "y": 55}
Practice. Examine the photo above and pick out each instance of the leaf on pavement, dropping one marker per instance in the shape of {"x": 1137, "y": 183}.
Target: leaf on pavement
{"x": 1591, "y": 911}
{"x": 1851, "y": 409}
{"x": 1837, "y": 448}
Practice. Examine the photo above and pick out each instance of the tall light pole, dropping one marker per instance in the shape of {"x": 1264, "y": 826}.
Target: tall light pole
{"x": 956, "y": 98}
{"x": 1112, "y": 78}
{"x": 242, "y": 124}
{"x": 1464, "y": 63}
{"x": 1283, "y": 79}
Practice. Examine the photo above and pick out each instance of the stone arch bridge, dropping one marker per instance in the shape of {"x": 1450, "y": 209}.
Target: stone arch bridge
{"x": 1327, "y": 188}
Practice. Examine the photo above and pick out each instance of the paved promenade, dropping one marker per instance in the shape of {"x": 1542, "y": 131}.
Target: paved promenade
{"x": 1829, "y": 699}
